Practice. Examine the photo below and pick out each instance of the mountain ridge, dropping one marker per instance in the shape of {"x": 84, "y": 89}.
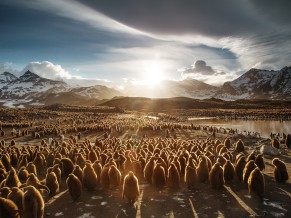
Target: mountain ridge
{"x": 254, "y": 84}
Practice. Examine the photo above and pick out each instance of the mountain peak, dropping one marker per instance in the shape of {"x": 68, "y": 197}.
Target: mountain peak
{"x": 7, "y": 77}
{"x": 29, "y": 76}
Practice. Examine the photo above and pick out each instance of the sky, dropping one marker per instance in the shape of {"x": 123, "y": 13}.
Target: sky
{"x": 144, "y": 42}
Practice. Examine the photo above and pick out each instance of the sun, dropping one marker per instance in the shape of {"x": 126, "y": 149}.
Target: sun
{"x": 153, "y": 74}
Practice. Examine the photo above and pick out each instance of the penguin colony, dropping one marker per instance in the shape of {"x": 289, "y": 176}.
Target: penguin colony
{"x": 114, "y": 164}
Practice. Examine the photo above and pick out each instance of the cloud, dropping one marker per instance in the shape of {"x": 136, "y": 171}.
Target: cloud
{"x": 207, "y": 17}
{"x": 200, "y": 71}
{"x": 79, "y": 12}
{"x": 199, "y": 67}
{"x": 48, "y": 70}
{"x": 8, "y": 67}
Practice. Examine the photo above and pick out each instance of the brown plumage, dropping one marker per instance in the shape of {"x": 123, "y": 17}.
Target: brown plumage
{"x": 104, "y": 177}
{"x": 8, "y": 209}
{"x": 32, "y": 180}
{"x": 190, "y": 176}
{"x": 97, "y": 168}
{"x": 280, "y": 170}
{"x": 216, "y": 176}
{"x": 256, "y": 182}
{"x": 260, "y": 162}
{"x": 159, "y": 176}
{"x": 251, "y": 156}
{"x": 22, "y": 174}
{"x": 16, "y": 195}
{"x": 78, "y": 172}
{"x": 239, "y": 167}
{"x": 130, "y": 189}
{"x": 239, "y": 147}
{"x": 89, "y": 177}
{"x": 31, "y": 168}
{"x": 202, "y": 170}
{"x": 227, "y": 143}
{"x": 249, "y": 167}
{"x": 33, "y": 204}
{"x": 114, "y": 176}
{"x": 67, "y": 167}
{"x": 12, "y": 179}
{"x": 173, "y": 177}
{"x": 228, "y": 171}
{"x": 148, "y": 170}
{"x": 275, "y": 143}
{"x": 75, "y": 186}
{"x": 4, "y": 192}
{"x": 52, "y": 183}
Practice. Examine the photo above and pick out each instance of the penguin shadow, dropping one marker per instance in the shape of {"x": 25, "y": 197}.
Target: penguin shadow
{"x": 128, "y": 209}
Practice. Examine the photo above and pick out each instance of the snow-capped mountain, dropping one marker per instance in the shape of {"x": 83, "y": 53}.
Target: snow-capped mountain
{"x": 31, "y": 89}
{"x": 7, "y": 77}
{"x": 28, "y": 86}
{"x": 258, "y": 84}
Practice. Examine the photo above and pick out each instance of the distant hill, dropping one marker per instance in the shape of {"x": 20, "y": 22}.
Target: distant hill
{"x": 169, "y": 104}
{"x": 190, "y": 88}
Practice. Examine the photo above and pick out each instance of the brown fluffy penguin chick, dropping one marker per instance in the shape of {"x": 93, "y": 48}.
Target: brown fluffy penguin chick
{"x": 256, "y": 182}
{"x": 190, "y": 176}
{"x": 31, "y": 168}
{"x": 173, "y": 177}
{"x": 16, "y": 195}
{"x": 114, "y": 176}
{"x": 280, "y": 170}
{"x": 130, "y": 189}
{"x": 202, "y": 170}
{"x": 148, "y": 170}
{"x": 138, "y": 170}
{"x": 74, "y": 186}
{"x": 32, "y": 180}
{"x": 260, "y": 162}
{"x": 51, "y": 181}
{"x": 8, "y": 209}
{"x": 67, "y": 167}
{"x": 241, "y": 154}
{"x": 276, "y": 143}
{"x": 97, "y": 168}
{"x": 3, "y": 174}
{"x": 33, "y": 204}
{"x": 239, "y": 146}
{"x": 227, "y": 143}
{"x": 159, "y": 176}
{"x": 89, "y": 177}
{"x": 57, "y": 170}
{"x": 251, "y": 156}
{"x": 228, "y": 172}
{"x": 104, "y": 177}
{"x": 250, "y": 166}
{"x": 4, "y": 192}
{"x": 239, "y": 167}
{"x": 216, "y": 176}
{"x": 12, "y": 179}
{"x": 22, "y": 174}
{"x": 79, "y": 172}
